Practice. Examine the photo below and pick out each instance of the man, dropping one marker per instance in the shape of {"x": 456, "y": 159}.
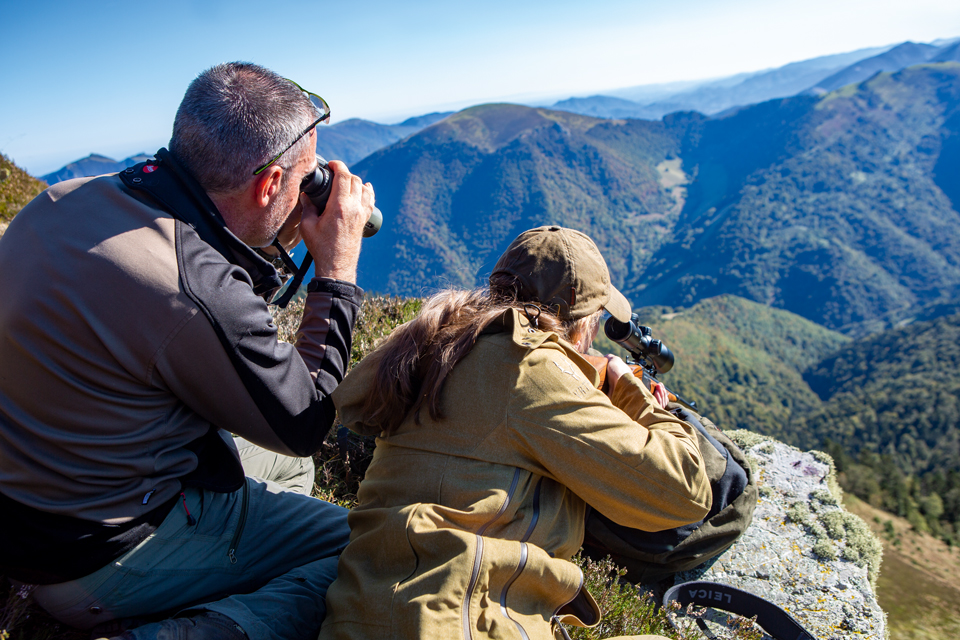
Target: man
{"x": 133, "y": 338}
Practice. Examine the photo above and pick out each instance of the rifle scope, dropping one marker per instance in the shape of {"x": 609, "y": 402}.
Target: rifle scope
{"x": 636, "y": 339}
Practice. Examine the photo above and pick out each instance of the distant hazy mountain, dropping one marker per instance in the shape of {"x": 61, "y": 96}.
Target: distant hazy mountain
{"x": 782, "y": 82}
{"x": 604, "y": 107}
{"x": 349, "y": 141}
{"x": 900, "y": 57}
{"x": 92, "y": 165}
{"x": 714, "y": 96}
{"x": 947, "y": 53}
{"x": 842, "y": 209}
{"x": 355, "y": 139}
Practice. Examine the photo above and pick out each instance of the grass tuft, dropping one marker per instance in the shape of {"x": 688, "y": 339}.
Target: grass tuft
{"x": 629, "y": 610}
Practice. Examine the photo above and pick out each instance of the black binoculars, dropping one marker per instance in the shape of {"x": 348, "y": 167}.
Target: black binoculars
{"x": 317, "y": 186}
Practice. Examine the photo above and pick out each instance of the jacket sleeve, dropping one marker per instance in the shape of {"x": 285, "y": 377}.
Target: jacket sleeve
{"x": 227, "y": 365}
{"x": 633, "y": 462}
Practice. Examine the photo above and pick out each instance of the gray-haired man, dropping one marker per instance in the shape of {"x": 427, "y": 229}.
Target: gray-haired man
{"x": 135, "y": 336}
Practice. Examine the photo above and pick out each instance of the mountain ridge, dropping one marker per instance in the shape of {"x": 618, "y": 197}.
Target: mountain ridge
{"x": 834, "y": 196}
{"x": 903, "y": 55}
{"x": 92, "y": 165}
{"x": 352, "y": 140}
{"x": 837, "y": 207}
{"x": 714, "y": 97}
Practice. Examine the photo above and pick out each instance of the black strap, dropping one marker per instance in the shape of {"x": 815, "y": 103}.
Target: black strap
{"x": 774, "y": 620}
{"x": 294, "y": 285}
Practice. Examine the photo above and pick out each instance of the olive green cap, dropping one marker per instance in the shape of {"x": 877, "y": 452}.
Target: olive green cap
{"x": 562, "y": 268}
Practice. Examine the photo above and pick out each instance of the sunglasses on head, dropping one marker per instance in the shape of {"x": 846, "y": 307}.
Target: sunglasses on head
{"x": 323, "y": 111}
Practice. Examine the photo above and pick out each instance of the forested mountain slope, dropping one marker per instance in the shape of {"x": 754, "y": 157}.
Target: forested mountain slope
{"x": 742, "y": 362}
{"x": 838, "y": 209}
{"x": 886, "y": 406}
{"x": 841, "y": 208}
{"x": 17, "y": 188}
{"x": 458, "y": 192}
{"x": 892, "y": 411}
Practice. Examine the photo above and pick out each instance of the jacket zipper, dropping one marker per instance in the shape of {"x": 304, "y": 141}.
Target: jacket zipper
{"x": 468, "y": 596}
{"x": 524, "y": 552}
{"x": 240, "y": 524}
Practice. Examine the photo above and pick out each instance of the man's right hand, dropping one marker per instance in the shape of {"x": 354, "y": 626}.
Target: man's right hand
{"x": 333, "y": 238}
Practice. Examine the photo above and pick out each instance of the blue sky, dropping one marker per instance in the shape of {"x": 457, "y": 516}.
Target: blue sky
{"x": 106, "y": 77}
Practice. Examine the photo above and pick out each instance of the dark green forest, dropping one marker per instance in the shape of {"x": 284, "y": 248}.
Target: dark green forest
{"x": 742, "y": 362}
{"x": 886, "y": 407}
{"x": 891, "y": 419}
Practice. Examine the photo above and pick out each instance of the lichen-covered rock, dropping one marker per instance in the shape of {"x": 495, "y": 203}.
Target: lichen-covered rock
{"x": 803, "y": 552}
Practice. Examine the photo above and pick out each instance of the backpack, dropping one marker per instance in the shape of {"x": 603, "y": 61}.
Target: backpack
{"x": 650, "y": 557}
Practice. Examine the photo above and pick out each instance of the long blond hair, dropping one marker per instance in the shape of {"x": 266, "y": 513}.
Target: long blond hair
{"x": 417, "y": 357}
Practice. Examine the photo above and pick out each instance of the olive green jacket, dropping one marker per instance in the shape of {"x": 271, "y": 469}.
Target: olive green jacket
{"x": 465, "y": 526}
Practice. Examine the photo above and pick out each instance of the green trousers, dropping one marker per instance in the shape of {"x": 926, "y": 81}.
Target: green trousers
{"x": 263, "y": 556}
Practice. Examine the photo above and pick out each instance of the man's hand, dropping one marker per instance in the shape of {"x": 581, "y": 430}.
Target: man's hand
{"x": 334, "y": 237}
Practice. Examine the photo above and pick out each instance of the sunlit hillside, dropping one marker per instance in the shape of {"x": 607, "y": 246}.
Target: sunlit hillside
{"x": 17, "y": 188}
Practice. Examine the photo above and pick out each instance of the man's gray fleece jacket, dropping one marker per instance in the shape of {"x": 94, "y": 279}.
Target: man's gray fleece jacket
{"x": 130, "y": 338}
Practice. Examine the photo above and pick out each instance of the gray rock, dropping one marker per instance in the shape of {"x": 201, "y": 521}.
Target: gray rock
{"x": 803, "y": 552}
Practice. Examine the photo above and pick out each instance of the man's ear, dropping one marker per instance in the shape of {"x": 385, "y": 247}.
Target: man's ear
{"x": 267, "y": 185}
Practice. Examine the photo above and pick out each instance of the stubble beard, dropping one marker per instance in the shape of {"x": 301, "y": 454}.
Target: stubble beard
{"x": 275, "y": 216}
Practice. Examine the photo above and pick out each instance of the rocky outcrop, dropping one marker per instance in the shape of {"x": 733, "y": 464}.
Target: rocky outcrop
{"x": 804, "y": 552}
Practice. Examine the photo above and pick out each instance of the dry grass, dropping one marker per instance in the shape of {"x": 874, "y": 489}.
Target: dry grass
{"x": 17, "y": 188}
{"x": 629, "y": 610}
{"x": 344, "y": 456}
{"x": 919, "y": 584}
{"x": 22, "y": 620}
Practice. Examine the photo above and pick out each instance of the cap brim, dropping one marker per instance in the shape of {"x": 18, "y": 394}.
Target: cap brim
{"x": 618, "y": 306}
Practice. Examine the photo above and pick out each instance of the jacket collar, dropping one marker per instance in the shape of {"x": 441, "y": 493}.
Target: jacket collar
{"x": 525, "y": 335}
{"x": 183, "y": 197}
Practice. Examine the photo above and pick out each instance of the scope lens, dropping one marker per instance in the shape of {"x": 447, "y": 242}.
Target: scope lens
{"x": 616, "y": 330}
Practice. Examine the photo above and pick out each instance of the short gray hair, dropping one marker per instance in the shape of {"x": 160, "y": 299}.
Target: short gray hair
{"x": 233, "y": 118}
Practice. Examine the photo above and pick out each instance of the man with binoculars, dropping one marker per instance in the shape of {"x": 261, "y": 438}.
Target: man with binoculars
{"x": 135, "y": 338}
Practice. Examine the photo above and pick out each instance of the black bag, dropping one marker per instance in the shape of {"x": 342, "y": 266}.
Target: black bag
{"x": 650, "y": 557}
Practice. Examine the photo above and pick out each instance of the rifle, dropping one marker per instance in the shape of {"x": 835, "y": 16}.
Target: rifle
{"x": 647, "y": 356}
